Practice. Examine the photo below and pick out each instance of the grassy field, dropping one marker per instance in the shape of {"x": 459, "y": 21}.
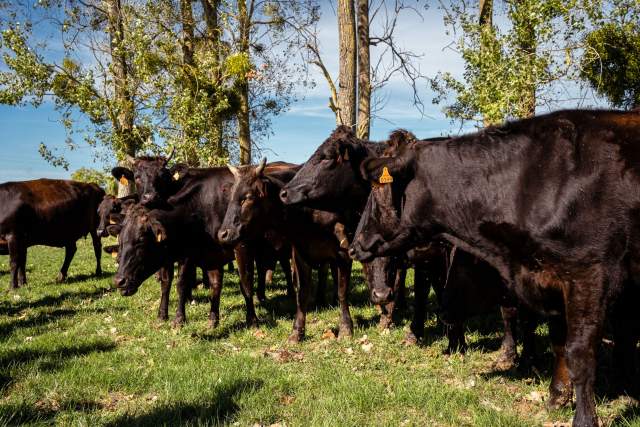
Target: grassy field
{"x": 81, "y": 354}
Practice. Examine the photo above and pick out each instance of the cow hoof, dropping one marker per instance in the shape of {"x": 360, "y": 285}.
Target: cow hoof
{"x": 178, "y": 322}
{"x": 61, "y": 278}
{"x": 385, "y": 322}
{"x": 505, "y": 362}
{"x": 98, "y": 273}
{"x": 559, "y": 398}
{"x": 295, "y": 337}
{"x": 410, "y": 339}
{"x": 345, "y": 332}
{"x": 213, "y": 323}
{"x": 163, "y": 317}
{"x": 253, "y": 323}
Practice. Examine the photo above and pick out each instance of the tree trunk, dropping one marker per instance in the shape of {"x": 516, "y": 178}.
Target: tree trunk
{"x": 188, "y": 70}
{"x": 486, "y": 22}
{"x": 211, "y": 10}
{"x": 123, "y": 127}
{"x": 527, "y": 42}
{"x": 347, "y": 75}
{"x": 364, "y": 72}
{"x": 244, "y": 132}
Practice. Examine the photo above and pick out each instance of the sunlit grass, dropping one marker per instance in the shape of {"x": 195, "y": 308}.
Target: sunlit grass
{"x": 80, "y": 354}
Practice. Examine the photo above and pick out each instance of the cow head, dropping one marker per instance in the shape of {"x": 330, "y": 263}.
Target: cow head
{"x": 111, "y": 212}
{"x": 141, "y": 249}
{"x": 251, "y": 204}
{"x": 154, "y": 181}
{"x": 329, "y": 175}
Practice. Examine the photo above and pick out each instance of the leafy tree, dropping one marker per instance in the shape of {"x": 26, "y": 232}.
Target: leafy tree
{"x": 103, "y": 179}
{"x": 611, "y": 63}
{"x": 511, "y": 68}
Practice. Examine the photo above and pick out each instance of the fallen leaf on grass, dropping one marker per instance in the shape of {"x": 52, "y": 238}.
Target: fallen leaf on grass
{"x": 490, "y": 405}
{"x": 328, "y": 335}
{"x": 259, "y": 334}
{"x": 367, "y": 347}
{"x": 284, "y": 355}
{"x": 27, "y": 339}
{"x": 287, "y": 400}
{"x": 348, "y": 350}
{"x": 556, "y": 424}
{"x": 534, "y": 396}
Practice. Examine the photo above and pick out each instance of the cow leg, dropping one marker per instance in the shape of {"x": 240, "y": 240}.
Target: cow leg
{"x": 261, "y": 270}
{"x": 585, "y": 313}
{"x": 455, "y": 337}
{"x": 625, "y": 338}
{"x": 303, "y": 282}
{"x": 321, "y": 289}
{"x": 215, "y": 282}
{"x": 399, "y": 288}
{"x": 344, "y": 275}
{"x": 286, "y": 270}
{"x": 528, "y": 323}
{"x": 17, "y": 253}
{"x": 230, "y": 267}
{"x": 244, "y": 258}
{"x": 166, "y": 277}
{"x": 421, "y": 289}
{"x": 560, "y": 389}
{"x": 334, "y": 275}
{"x": 507, "y": 358}
{"x": 186, "y": 279}
{"x": 69, "y": 252}
{"x": 97, "y": 251}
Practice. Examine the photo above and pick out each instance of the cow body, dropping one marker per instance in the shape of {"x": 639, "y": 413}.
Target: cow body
{"x": 47, "y": 212}
{"x": 551, "y": 202}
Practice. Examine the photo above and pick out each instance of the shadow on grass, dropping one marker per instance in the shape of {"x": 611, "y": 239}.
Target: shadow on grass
{"x": 76, "y": 278}
{"x": 9, "y": 308}
{"x": 219, "y": 409}
{"x": 39, "y": 319}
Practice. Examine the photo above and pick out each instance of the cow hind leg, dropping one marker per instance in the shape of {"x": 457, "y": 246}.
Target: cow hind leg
{"x": 166, "y": 277}
{"x": 421, "y": 290}
{"x": 215, "y": 281}
{"x": 69, "y": 252}
{"x": 245, "y": 259}
{"x": 561, "y": 388}
{"x": 186, "y": 280}
{"x": 346, "y": 324}
{"x": 97, "y": 251}
{"x": 285, "y": 264}
{"x": 17, "y": 260}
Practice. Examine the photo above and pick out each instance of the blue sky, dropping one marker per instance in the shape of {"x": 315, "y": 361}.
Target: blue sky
{"x": 296, "y": 133}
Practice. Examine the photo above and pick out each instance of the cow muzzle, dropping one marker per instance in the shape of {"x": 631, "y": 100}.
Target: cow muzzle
{"x": 290, "y": 196}
{"x": 228, "y": 236}
{"x": 381, "y": 295}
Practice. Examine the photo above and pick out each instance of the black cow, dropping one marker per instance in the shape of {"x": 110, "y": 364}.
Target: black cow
{"x": 552, "y": 202}
{"x": 111, "y": 212}
{"x": 255, "y": 206}
{"x": 331, "y": 180}
{"x": 47, "y": 212}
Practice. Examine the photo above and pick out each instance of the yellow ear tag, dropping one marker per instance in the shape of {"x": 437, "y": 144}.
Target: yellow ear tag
{"x": 176, "y": 176}
{"x": 386, "y": 177}
{"x": 111, "y": 221}
{"x": 114, "y": 254}
{"x": 124, "y": 180}
{"x": 159, "y": 237}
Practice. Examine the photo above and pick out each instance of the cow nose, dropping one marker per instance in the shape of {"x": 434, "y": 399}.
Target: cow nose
{"x": 283, "y": 195}
{"x": 119, "y": 282}
{"x": 381, "y": 296}
{"x": 223, "y": 235}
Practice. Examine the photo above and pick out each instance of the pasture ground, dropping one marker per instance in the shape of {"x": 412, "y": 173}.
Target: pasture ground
{"x": 80, "y": 354}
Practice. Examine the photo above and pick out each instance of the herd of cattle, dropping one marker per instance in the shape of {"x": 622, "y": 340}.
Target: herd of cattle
{"x": 538, "y": 217}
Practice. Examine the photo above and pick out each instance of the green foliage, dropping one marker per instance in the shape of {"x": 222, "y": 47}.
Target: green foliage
{"x": 103, "y": 179}
{"x": 509, "y": 67}
{"x": 611, "y": 63}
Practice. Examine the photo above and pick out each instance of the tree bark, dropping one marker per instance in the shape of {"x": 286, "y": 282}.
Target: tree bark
{"x": 188, "y": 70}
{"x": 347, "y": 76}
{"x": 244, "y": 129}
{"x": 486, "y": 22}
{"x": 364, "y": 72}
{"x": 124, "y": 125}
{"x": 211, "y": 10}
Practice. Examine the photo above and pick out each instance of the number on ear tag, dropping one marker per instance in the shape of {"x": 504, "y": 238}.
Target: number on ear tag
{"x": 386, "y": 177}
{"x": 124, "y": 180}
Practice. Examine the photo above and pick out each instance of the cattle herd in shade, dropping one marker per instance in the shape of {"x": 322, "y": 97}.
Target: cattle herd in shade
{"x": 539, "y": 218}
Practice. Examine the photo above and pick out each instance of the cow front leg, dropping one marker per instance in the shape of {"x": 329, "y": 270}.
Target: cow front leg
{"x": 560, "y": 389}
{"x": 344, "y": 275}
{"x": 261, "y": 267}
{"x": 508, "y": 352}
{"x": 245, "y": 259}
{"x": 303, "y": 283}
{"x": 215, "y": 280}
{"x": 421, "y": 291}
{"x": 455, "y": 337}
{"x": 69, "y": 252}
{"x": 166, "y": 277}
{"x": 186, "y": 280}
{"x": 285, "y": 264}
{"x": 97, "y": 251}
{"x": 17, "y": 260}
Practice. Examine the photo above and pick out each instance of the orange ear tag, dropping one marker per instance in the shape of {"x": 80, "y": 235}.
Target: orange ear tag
{"x": 386, "y": 177}
{"x": 124, "y": 180}
{"x": 114, "y": 254}
{"x": 111, "y": 221}
{"x": 159, "y": 237}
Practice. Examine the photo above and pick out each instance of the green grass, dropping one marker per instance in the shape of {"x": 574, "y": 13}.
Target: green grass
{"x": 80, "y": 354}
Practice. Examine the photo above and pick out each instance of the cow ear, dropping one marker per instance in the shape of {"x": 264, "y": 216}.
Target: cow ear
{"x": 122, "y": 174}
{"x": 158, "y": 231}
{"x": 400, "y": 138}
{"x": 112, "y": 250}
{"x": 178, "y": 171}
{"x": 380, "y": 170}
{"x": 114, "y": 229}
